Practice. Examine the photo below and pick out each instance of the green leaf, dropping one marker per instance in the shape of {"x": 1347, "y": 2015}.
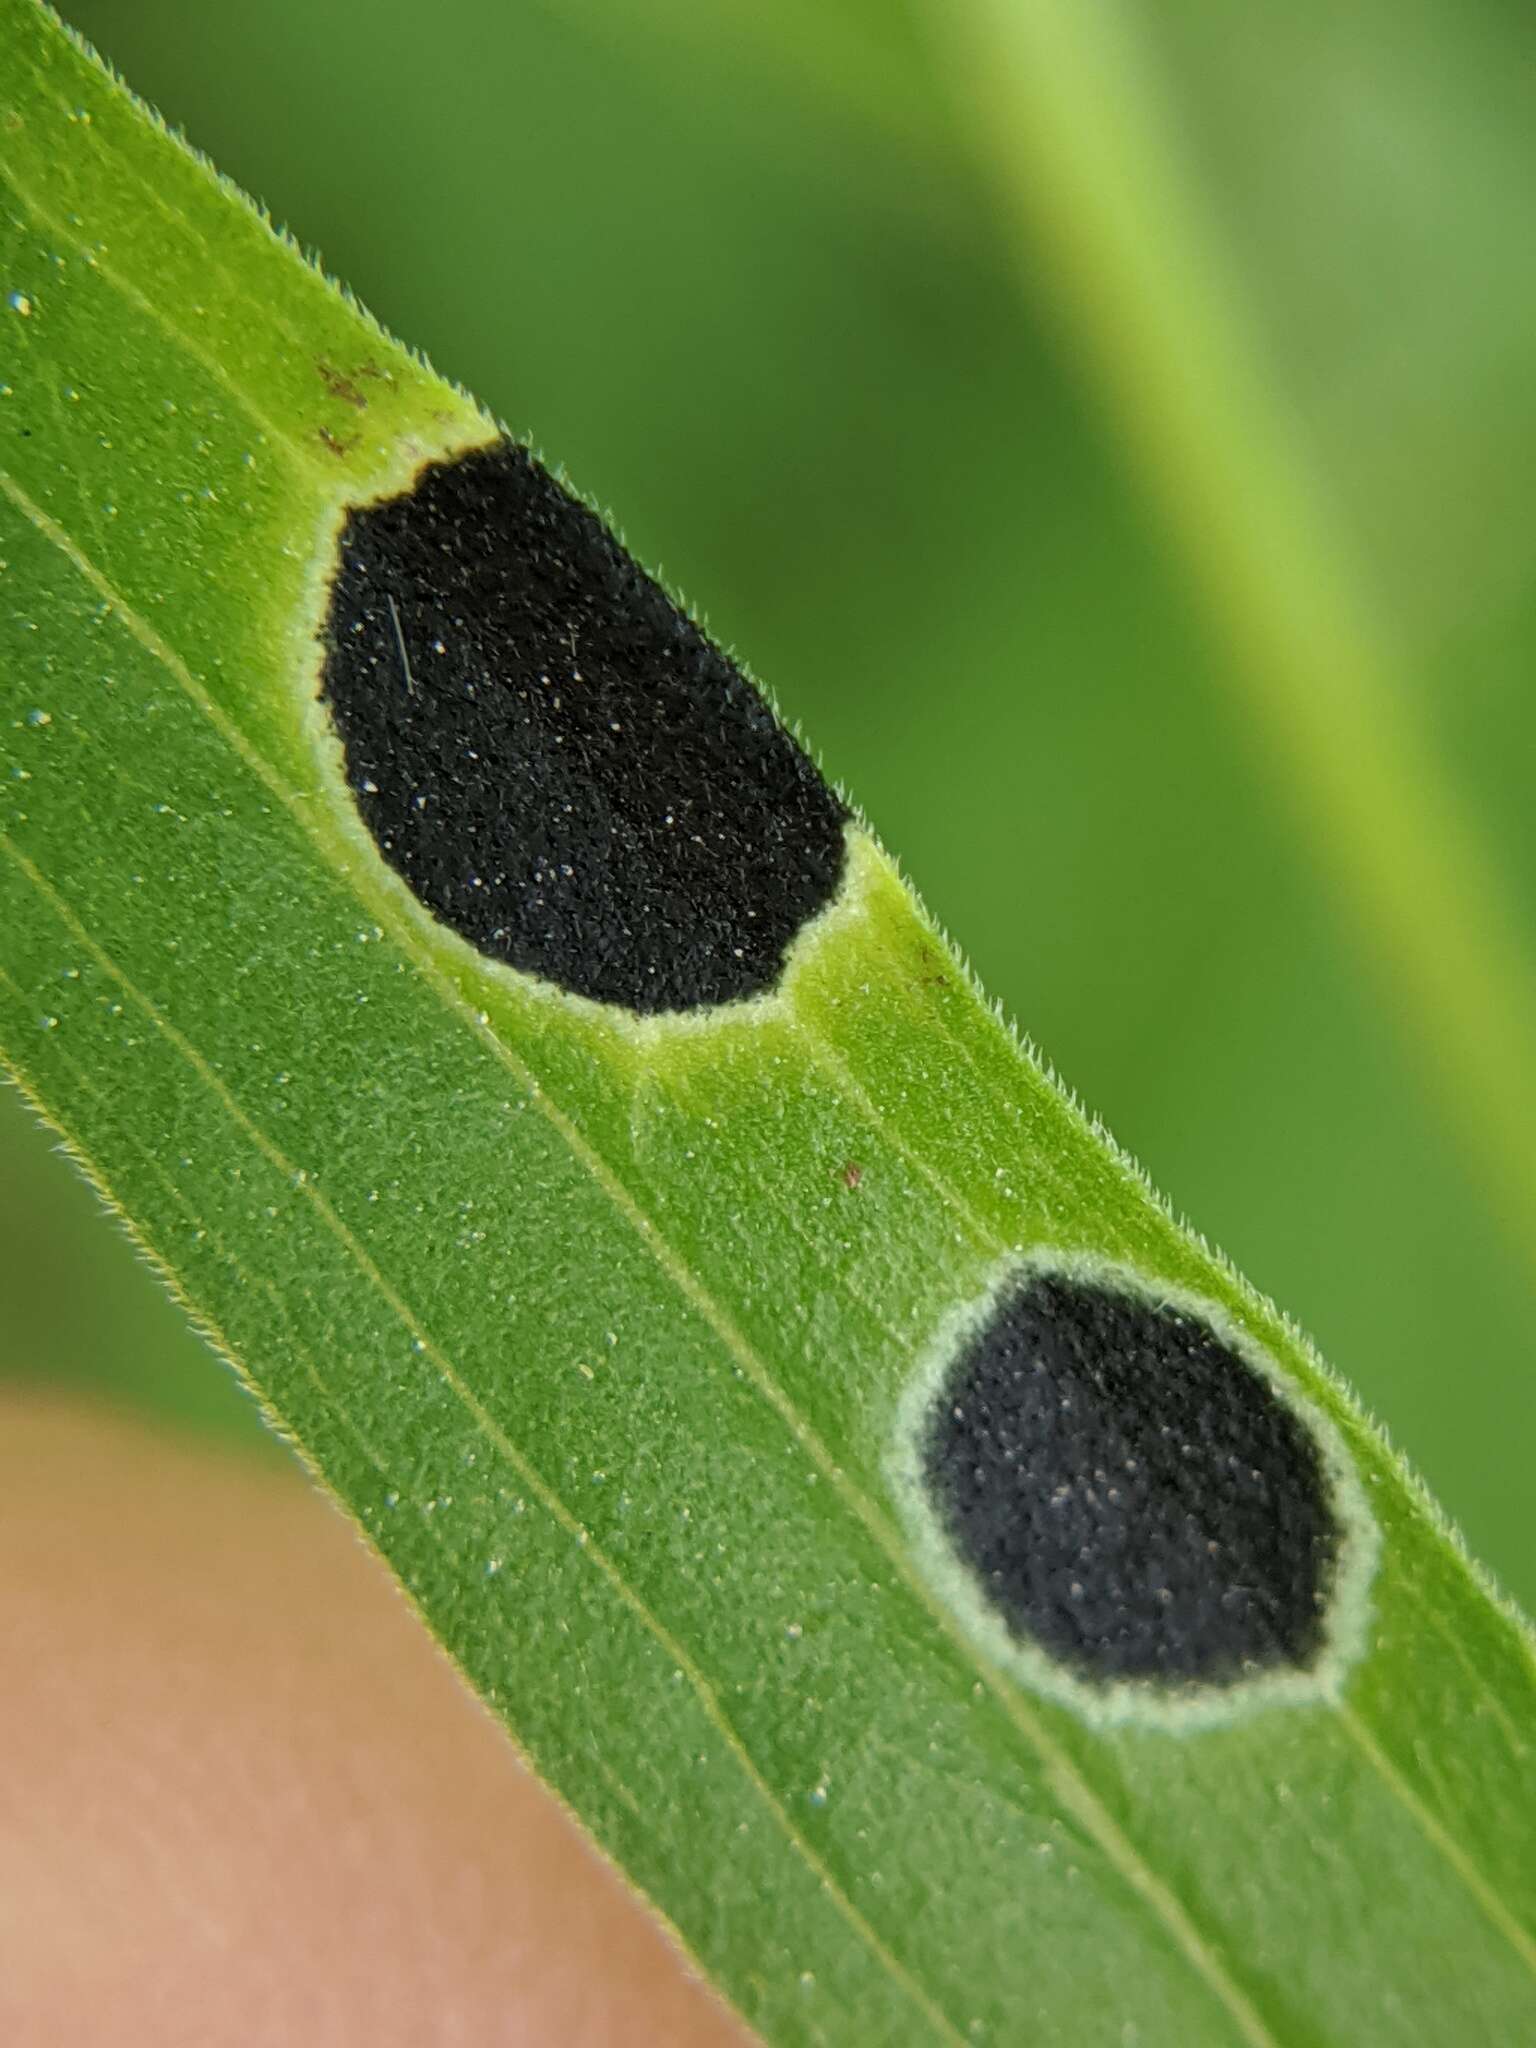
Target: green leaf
{"x": 618, "y": 1336}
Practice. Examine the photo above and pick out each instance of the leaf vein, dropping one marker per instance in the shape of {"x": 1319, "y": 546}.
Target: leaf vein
{"x": 1439, "y": 1837}
{"x": 549, "y": 1498}
{"x": 177, "y": 335}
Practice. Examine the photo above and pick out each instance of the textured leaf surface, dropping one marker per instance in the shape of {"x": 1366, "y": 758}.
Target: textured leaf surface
{"x": 608, "y": 1331}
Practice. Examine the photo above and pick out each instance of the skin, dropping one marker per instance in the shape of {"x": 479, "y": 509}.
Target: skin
{"x": 246, "y": 1801}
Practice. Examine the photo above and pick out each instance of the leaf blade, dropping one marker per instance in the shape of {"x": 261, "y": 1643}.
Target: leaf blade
{"x": 318, "y": 989}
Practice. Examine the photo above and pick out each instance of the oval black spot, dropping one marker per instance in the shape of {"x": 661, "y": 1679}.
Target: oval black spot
{"x": 554, "y": 757}
{"x": 1131, "y": 1494}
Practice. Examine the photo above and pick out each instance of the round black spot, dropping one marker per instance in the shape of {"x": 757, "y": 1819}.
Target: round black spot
{"x": 1132, "y": 1496}
{"x": 555, "y": 758}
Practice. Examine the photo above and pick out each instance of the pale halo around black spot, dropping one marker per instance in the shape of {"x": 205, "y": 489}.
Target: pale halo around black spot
{"x": 554, "y": 759}
{"x": 1042, "y": 1658}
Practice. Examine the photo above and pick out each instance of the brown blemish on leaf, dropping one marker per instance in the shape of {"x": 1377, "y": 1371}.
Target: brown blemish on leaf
{"x": 341, "y": 387}
{"x": 936, "y": 977}
{"x": 850, "y": 1173}
{"x": 338, "y": 447}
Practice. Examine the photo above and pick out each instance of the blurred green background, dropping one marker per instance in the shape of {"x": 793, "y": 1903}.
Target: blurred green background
{"x": 749, "y": 276}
